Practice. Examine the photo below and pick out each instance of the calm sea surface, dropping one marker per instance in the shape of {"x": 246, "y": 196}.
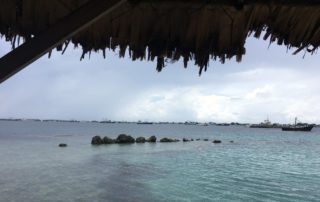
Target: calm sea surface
{"x": 261, "y": 164}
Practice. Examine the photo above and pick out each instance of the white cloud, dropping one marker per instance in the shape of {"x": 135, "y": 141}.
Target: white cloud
{"x": 241, "y": 99}
{"x": 260, "y": 92}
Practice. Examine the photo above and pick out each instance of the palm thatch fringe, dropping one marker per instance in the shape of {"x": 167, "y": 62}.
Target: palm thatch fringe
{"x": 171, "y": 30}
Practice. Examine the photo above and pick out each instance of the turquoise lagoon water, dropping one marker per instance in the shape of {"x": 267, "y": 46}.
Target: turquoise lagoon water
{"x": 261, "y": 164}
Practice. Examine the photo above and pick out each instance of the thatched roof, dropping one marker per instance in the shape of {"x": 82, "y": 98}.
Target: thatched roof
{"x": 190, "y": 29}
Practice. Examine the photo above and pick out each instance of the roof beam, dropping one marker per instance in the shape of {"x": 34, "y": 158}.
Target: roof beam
{"x": 33, "y": 49}
{"x": 243, "y": 2}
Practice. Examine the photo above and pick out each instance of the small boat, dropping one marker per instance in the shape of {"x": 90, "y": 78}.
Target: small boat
{"x": 298, "y": 127}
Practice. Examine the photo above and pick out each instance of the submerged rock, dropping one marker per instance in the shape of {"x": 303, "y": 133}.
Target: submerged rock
{"x": 63, "y": 145}
{"x": 96, "y": 140}
{"x": 198, "y": 139}
{"x": 231, "y": 141}
{"x": 152, "y": 139}
{"x": 216, "y": 141}
{"x": 107, "y": 140}
{"x": 169, "y": 140}
{"x": 185, "y": 140}
{"x": 140, "y": 140}
{"x": 192, "y": 140}
{"x": 123, "y": 139}
{"x": 206, "y": 139}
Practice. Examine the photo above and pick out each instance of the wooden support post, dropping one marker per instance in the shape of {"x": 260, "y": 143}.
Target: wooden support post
{"x": 32, "y": 50}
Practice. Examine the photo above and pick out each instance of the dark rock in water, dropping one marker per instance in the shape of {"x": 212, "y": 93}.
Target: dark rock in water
{"x": 123, "y": 139}
{"x": 169, "y": 140}
{"x": 216, "y": 141}
{"x": 205, "y": 139}
{"x": 231, "y": 141}
{"x": 192, "y": 140}
{"x": 152, "y": 139}
{"x": 140, "y": 140}
{"x": 198, "y": 139}
{"x": 185, "y": 140}
{"x": 63, "y": 145}
{"x": 166, "y": 140}
{"x": 107, "y": 140}
{"x": 96, "y": 140}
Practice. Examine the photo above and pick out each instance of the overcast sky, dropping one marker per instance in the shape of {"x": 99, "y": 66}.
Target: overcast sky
{"x": 268, "y": 82}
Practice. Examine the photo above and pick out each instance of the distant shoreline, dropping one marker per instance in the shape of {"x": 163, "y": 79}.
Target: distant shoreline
{"x": 138, "y": 122}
